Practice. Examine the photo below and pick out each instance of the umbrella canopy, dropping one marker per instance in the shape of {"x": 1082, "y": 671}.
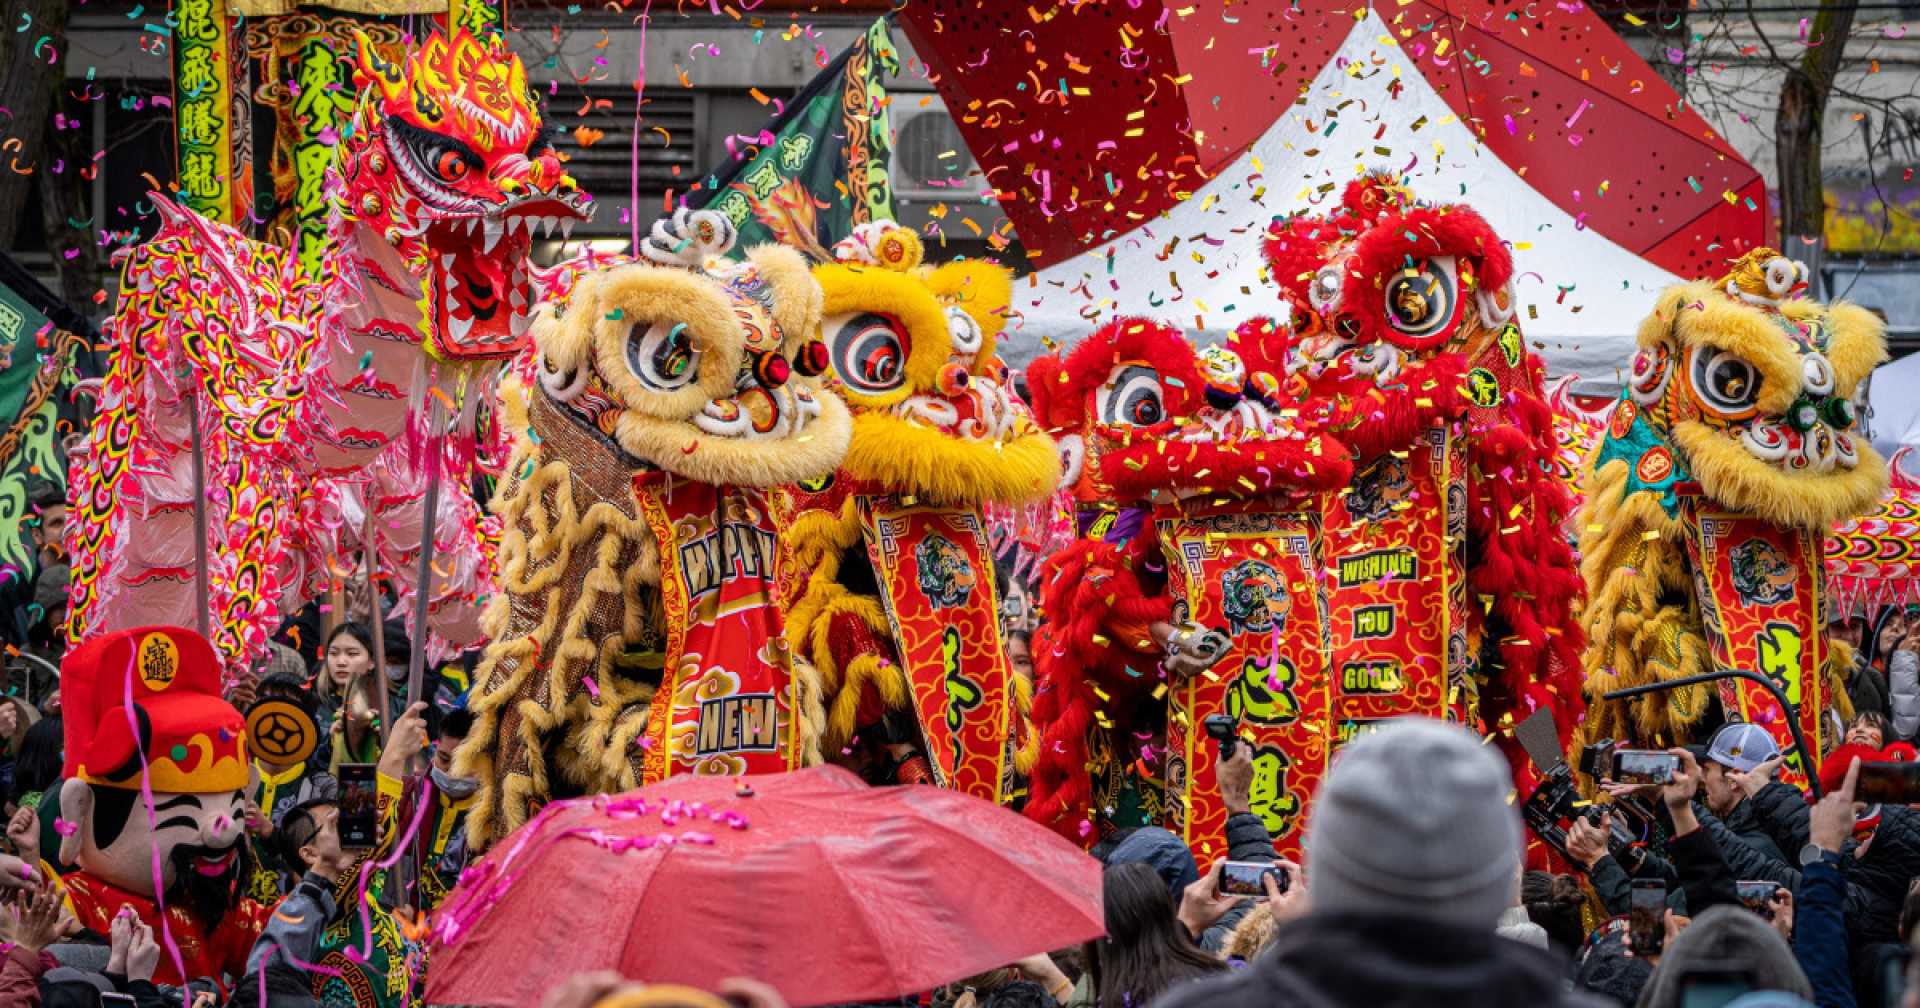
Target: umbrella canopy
{"x": 810, "y": 881}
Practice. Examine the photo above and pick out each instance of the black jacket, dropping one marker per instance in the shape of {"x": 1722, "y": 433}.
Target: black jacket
{"x": 1783, "y": 813}
{"x": 1745, "y": 823}
{"x": 1331, "y": 960}
{"x": 1703, "y": 872}
{"x": 1875, "y": 885}
{"x": 1612, "y": 879}
{"x": 1866, "y": 688}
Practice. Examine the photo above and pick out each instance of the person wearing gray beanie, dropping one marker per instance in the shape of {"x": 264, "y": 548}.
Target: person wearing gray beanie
{"x": 1414, "y": 820}
{"x": 1412, "y": 851}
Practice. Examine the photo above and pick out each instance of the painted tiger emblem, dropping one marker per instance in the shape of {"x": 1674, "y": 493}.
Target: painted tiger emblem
{"x": 1376, "y": 492}
{"x": 1254, "y": 598}
{"x": 1761, "y": 575}
{"x": 946, "y": 578}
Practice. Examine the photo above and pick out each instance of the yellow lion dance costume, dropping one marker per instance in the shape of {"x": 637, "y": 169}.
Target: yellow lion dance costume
{"x": 894, "y": 605}
{"x": 664, "y": 408}
{"x": 1726, "y": 461}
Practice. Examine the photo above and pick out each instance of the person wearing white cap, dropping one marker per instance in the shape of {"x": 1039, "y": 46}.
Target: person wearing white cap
{"x": 1737, "y": 750}
{"x": 1411, "y": 854}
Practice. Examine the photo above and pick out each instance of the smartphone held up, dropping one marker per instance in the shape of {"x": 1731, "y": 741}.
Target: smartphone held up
{"x": 1888, "y": 784}
{"x": 1647, "y": 917}
{"x": 1242, "y": 878}
{"x": 1645, "y": 766}
{"x": 359, "y": 806}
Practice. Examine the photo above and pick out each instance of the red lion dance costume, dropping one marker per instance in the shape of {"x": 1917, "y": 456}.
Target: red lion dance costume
{"x": 1196, "y": 546}
{"x": 1450, "y": 583}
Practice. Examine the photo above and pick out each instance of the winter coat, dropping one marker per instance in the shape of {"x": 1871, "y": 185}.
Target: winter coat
{"x": 1612, "y": 879}
{"x": 1745, "y": 823}
{"x": 1783, "y": 813}
{"x": 1703, "y": 872}
{"x": 1903, "y": 693}
{"x": 1725, "y": 939}
{"x": 1368, "y": 961}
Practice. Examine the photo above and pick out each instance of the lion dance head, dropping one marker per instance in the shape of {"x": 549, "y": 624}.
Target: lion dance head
{"x": 1389, "y": 297}
{"x": 911, "y": 349}
{"x": 1141, "y": 415}
{"x": 1751, "y": 387}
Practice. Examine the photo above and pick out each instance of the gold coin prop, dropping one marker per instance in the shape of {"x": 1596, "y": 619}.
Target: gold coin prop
{"x": 281, "y": 732}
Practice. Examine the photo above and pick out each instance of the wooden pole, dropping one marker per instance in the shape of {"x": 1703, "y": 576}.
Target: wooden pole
{"x": 203, "y": 606}
{"x": 423, "y": 580}
{"x": 370, "y": 543}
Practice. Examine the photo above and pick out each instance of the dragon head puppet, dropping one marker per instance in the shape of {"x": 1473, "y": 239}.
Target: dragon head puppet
{"x": 447, "y": 164}
{"x": 1726, "y": 462}
{"x": 670, "y": 394}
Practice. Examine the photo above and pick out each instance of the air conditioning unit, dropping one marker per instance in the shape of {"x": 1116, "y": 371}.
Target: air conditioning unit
{"x": 931, "y": 163}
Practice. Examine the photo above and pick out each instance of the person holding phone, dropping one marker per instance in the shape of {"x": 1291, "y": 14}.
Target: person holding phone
{"x": 1412, "y": 852}
{"x": 337, "y": 839}
{"x": 1735, "y": 749}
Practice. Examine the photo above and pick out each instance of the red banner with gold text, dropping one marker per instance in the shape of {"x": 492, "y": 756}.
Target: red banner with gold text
{"x": 726, "y": 706}
{"x": 1393, "y": 583}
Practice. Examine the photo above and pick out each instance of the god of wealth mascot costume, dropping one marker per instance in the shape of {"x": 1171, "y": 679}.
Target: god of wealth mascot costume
{"x": 1191, "y": 593}
{"x": 894, "y": 599}
{"x": 636, "y": 632}
{"x": 1450, "y": 584}
{"x": 1728, "y": 458}
{"x": 156, "y": 775}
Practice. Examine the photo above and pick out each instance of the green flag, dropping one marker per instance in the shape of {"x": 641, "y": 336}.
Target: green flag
{"x": 822, "y": 165}
{"x": 34, "y": 358}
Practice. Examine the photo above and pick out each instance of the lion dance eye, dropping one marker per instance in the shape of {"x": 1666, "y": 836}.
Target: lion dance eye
{"x": 1133, "y": 397}
{"x": 1324, "y": 293}
{"x": 1423, "y": 300}
{"x": 1725, "y": 384}
{"x": 662, "y": 354}
{"x": 867, "y": 352}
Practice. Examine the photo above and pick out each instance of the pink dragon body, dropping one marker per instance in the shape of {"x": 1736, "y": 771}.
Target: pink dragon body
{"x": 313, "y": 391}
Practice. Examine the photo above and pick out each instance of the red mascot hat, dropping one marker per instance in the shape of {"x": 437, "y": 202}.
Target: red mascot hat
{"x": 194, "y": 741}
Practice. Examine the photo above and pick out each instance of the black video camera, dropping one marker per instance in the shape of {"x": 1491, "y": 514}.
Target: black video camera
{"x": 1596, "y": 759}
{"x": 1221, "y": 727}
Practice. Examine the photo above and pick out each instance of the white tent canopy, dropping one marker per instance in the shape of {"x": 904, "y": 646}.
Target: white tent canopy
{"x": 1212, "y": 280}
{"x": 1894, "y": 396}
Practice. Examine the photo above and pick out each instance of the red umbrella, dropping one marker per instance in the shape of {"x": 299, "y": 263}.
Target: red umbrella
{"x": 810, "y": 881}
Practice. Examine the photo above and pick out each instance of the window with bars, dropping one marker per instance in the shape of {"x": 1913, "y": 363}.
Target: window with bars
{"x": 596, "y": 132}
